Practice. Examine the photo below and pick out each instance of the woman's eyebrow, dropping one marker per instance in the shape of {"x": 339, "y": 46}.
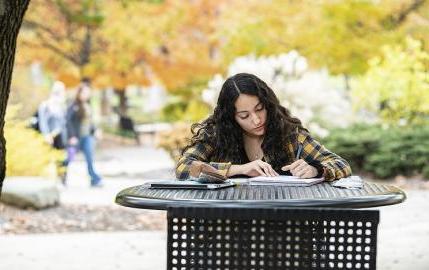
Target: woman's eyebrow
{"x": 248, "y": 111}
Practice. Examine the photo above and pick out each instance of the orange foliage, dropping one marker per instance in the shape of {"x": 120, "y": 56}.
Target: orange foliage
{"x": 176, "y": 40}
{"x": 69, "y": 79}
{"x": 190, "y": 51}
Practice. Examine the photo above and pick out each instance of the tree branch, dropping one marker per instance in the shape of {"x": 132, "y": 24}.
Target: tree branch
{"x": 395, "y": 20}
{"x": 86, "y": 47}
{"x": 56, "y": 49}
{"x": 61, "y": 53}
{"x": 39, "y": 27}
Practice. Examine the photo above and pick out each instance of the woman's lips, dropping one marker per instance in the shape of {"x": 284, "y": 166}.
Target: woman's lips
{"x": 260, "y": 127}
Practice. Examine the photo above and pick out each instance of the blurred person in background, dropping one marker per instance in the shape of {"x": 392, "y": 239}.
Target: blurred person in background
{"x": 51, "y": 118}
{"x": 81, "y": 131}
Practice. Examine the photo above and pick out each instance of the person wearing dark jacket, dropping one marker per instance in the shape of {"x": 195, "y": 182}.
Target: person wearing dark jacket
{"x": 80, "y": 131}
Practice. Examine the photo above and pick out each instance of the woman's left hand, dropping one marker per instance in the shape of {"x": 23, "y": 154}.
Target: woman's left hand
{"x": 301, "y": 169}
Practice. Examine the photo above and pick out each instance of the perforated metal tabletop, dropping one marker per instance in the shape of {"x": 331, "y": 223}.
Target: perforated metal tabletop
{"x": 246, "y": 196}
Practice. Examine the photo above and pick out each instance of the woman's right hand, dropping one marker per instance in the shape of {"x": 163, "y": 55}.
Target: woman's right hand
{"x": 257, "y": 168}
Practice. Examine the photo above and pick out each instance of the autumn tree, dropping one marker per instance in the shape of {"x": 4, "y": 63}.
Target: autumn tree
{"x": 172, "y": 41}
{"x": 11, "y": 16}
{"x": 128, "y": 39}
{"x": 413, "y": 20}
{"x": 352, "y": 32}
{"x": 72, "y": 46}
{"x": 190, "y": 50}
{"x": 340, "y": 35}
{"x": 169, "y": 40}
{"x": 66, "y": 42}
{"x": 396, "y": 86}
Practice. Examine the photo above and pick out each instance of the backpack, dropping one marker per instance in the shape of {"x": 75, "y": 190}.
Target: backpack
{"x": 34, "y": 121}
{"x": 58, "y": 142}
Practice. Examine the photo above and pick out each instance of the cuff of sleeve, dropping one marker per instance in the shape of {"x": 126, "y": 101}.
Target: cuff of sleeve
{"x": 319, "y": 167}
{"x": 328, "y": 174}
{"x": 320, "y": 172}
{"x": 332, "y": 172}
{"x": 222, "y": 168}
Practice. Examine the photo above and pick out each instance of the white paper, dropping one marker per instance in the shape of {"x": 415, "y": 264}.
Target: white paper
{"x": 283, "y": 180}
{"x": 349, "y": 182}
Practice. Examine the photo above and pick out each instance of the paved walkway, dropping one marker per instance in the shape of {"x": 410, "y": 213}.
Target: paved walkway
{"x": 402, "y": 244}
{"x": 120, "y": 167}
{"x": 403, "y": 234}
{"x": 84, "y": 251}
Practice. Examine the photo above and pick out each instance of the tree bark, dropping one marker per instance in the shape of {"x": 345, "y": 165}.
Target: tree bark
{"x": 123, "y": 102}
{"x": 346, "y": 82}
{"x": 11, "y": 15}
{"x": 105, "y": 106}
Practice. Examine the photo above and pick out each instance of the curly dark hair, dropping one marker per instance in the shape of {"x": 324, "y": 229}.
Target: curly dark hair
{"x": 81, "y": 112}
{"x": 222, "y": 132}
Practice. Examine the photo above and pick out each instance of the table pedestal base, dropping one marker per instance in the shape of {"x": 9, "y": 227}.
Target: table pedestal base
{"x": 282, "y": 238}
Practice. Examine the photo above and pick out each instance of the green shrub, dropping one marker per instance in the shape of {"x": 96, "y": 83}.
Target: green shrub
{"x": 383, "y": 152}
{"x": 193, "y": 110}
{"x": 174, "y": 110}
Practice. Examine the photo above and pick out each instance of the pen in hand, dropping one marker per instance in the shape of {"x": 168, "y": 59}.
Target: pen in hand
{"x": 298, "y": 153}
{"x": 297, "y": 157}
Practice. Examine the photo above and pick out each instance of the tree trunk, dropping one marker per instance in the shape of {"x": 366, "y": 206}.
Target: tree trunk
{"x": 86, "y": 48}
{"x": 347, "y": 82}
{"x": 11, "y": 15}
{"x": 123, "y": 102}
{"x": 105, "y": 106}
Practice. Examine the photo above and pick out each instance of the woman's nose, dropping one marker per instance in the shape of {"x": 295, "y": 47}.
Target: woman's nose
{"x": 255, "y": 118}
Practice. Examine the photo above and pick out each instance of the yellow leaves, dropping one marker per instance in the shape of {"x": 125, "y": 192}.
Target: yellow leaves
{"x": 173, "y": 141}
{"x": 130, "y": 39}
{"x": 89, "y": 71}
{"x": 396, "y": 86}
{"x": 27, "y": 152}
{"x": 171, "y": 38}
{"x": 118, "y": 81}
{"x": 196, "y": 111}
{"x": 138, "y": 76}
{"x": 180, "y": 74}
{"x": 68, "y": 79}
{"x": 185, "y": 40}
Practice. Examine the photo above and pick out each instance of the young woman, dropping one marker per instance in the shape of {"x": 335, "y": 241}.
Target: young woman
{"x": 80, "y": 131}
{"x": 251, "y": 134}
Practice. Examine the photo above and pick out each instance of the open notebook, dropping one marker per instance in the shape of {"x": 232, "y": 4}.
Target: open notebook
{"x": 283, "y": 180}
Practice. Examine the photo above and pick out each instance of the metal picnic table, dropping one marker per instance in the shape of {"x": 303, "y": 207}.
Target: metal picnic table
{"x": 269, "y": 227}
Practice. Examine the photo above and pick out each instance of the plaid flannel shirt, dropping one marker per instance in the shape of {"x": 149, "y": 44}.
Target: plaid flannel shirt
{"x": 331, "y": 165}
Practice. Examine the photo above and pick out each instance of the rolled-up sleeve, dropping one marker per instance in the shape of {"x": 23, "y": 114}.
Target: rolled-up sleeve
{"x": 332, "y": 165}
{"x": 199, "y": 152}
